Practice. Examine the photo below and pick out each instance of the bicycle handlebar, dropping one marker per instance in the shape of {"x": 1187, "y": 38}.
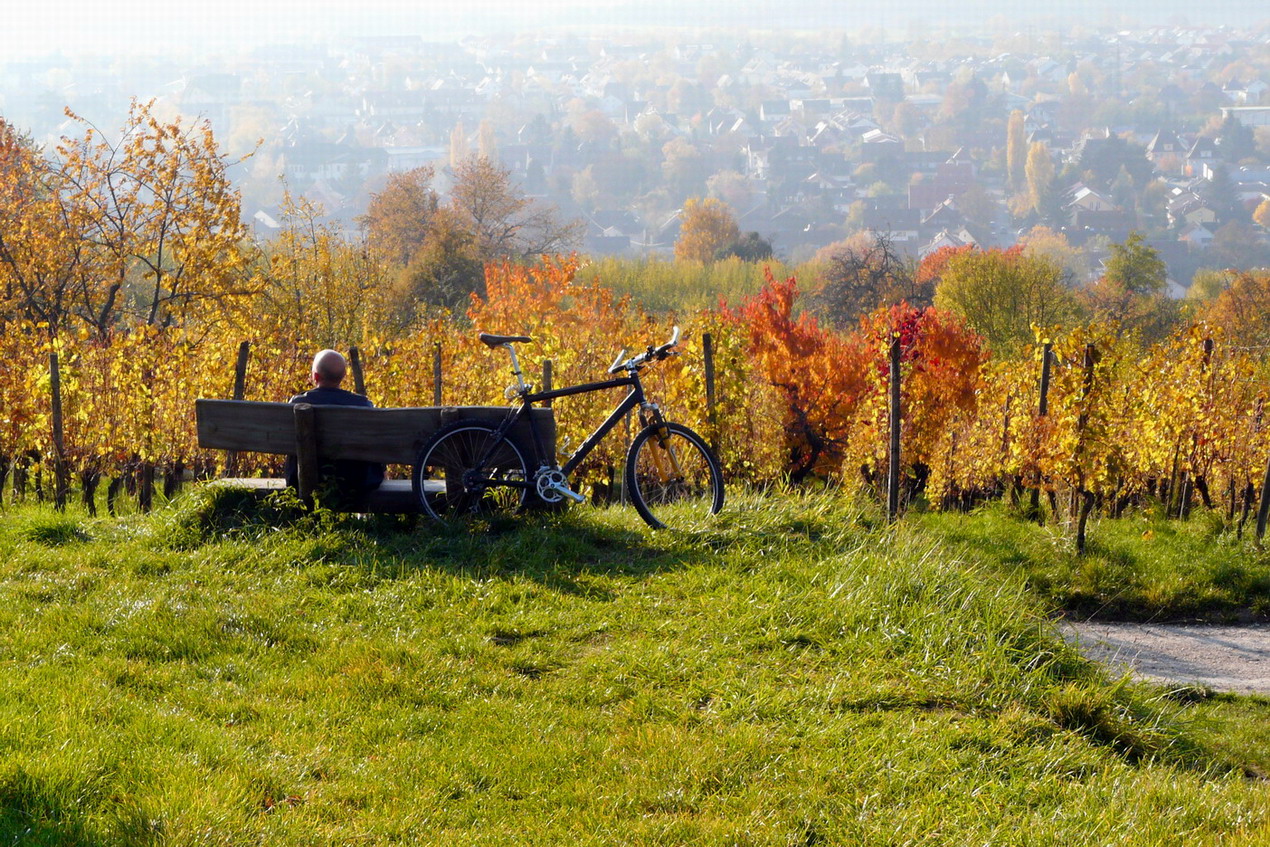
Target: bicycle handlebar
{"x": 651, "y": 354}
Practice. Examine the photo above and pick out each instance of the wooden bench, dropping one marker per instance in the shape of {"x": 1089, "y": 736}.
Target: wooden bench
{"x": 316, "y": 434}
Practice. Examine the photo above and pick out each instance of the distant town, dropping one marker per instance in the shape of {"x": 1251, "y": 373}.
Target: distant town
{"x": 930, "y": 140}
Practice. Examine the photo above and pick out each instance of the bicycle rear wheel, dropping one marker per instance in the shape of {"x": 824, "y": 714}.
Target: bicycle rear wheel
{"x": 466, "y": 468}
{"x": 672, "y": 477}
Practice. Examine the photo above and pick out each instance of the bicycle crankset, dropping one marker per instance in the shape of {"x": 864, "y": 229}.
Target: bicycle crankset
{"x": 552, "y": 488}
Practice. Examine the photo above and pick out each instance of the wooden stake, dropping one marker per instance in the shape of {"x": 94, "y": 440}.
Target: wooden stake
{"x": 59, "y": 444}
{"x": 240, "y": 370}
{"x": 240, "y": 391}
{"x": 1263, "y": 508}
{"x": 1082, "y": 499}
{"x": 436, "y": 374}
{"x": 355, "y": 363}
{"x": 893, "y": 471}
{"x": 707, "y": 350}
{"x": 145, "y": 487}
{"x": 1047, "y": 358}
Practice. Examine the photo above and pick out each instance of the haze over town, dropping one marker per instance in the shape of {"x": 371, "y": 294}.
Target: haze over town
{"x": 812, "y": 123}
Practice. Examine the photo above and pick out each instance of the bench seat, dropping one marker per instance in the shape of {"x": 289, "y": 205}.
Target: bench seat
{"x": 320, "y": 433}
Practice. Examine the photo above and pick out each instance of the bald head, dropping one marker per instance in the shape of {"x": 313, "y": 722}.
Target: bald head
{"x": 328, "y": 369}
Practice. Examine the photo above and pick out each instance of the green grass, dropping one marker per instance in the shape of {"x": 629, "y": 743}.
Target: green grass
{"x": 1136, "y": 568}
{"x": 795, "y": 673}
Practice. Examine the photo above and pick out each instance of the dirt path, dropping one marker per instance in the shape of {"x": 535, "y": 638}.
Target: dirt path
{"x": 1224, "y": 658}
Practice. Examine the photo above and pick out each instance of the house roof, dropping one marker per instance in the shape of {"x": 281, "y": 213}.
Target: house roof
{"x": 1165, "y": 141}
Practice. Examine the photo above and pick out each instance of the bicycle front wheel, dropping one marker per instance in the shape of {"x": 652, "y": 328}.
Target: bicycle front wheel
{"x": 672, "y": 477}
{"x": 466, "y": 468}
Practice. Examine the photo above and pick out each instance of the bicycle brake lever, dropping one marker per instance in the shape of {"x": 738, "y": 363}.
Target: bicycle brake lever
{"x": 617, "y": 363}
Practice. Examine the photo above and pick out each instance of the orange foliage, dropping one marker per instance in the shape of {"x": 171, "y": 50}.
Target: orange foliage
{"x": 818, "y": 374}
{"x": 932, "y": 268}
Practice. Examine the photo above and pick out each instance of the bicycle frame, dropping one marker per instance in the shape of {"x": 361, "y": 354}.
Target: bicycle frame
{"x": 635, "y": 399}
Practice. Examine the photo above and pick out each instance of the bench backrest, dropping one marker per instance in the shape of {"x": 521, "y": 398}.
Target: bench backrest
{"x": 391, "y": 436}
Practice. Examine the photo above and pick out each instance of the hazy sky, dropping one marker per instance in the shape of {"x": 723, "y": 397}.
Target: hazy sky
{"x": 122, "y": 26}
{"x": 111, "y": 26}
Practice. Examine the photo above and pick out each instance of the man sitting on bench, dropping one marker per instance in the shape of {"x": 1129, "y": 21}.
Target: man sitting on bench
{"x": 354, "y": 478}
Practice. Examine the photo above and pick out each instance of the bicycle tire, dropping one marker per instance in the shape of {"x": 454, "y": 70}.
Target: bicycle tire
{"x": 672, "y": 476}
{"x": 448, "y": 477}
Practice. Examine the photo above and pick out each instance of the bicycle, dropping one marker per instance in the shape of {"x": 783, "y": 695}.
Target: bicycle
{"x": 472, "y": 467}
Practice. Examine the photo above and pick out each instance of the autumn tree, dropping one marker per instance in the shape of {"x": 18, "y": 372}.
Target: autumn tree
{"x": 45, "y": 263}
{"x": 706, "y": 227}
{"x": 1136, "y": 267}
{"x": 732, "y": 187}
{"x": 864, "y": 272}
{"x": 1001, "y": 294}
{"x": 1236, "y": 245}
{"x": 1044, "y": 242}
{"x": 1015, "y": 150}
{"x": 398, "y": 217}
{"x": 460, "y": 151}
{"x": 1235, "y": 141}
{"x": 683, "y": 166}
{"x": 163, "y": 213}
{"x": 820, "y": 379}
{"x": 319, "y": 287}
{"x": 750, "y": 247}
{"x": 502, "y": 219}
{"x": 444, "y": 272}
{"x": 486, "y": 139}
{"x": 1131, "y": 292}
{"x": 1104, "y": 160}
{"x": 1243, "y": 309}
{"x": 1261, "y": 215}
{"x": 1040, "y": 179}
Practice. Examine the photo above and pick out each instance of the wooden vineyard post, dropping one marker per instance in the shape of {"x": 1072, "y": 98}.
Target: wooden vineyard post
{"x": 145, "y": 486}
{"x": 547, "y": 367}
{"x": 1047, "y": 358}
{"x": 1263, "y": 506}
{"x": 240, "y": 391}
{"x": 1086, "y": 496}
{"x": 436, "y": 374}
{"x": 59, "y": 443}
{"x": 355, "y": 363}
{"x": 707, "y": 349}
{"x": 893, "y": 466}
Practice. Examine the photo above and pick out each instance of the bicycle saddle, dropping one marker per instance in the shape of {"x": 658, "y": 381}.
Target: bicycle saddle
{"x": 499, "y": 340}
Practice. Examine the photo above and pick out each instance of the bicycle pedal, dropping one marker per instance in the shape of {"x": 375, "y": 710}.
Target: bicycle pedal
{"x": 568, "y": 492}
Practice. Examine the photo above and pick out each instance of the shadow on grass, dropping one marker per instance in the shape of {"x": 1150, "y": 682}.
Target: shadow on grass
{"x": 558, "y": 550}
{"x": 36, "y": 812}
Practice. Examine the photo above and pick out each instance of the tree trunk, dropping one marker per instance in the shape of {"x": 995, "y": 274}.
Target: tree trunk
{"x": 1086, "y": 506}
{"x": 1205, "y": 497}
{"x": 172, "y": 480}
{"x": 1250, "y": 494}
{"x": 117, "y": 484}
{"x": 88, "y": 481}
{"x": 145, "y": 487}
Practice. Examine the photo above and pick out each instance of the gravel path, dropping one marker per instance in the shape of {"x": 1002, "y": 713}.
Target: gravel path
{"x": 1224, "y": 658}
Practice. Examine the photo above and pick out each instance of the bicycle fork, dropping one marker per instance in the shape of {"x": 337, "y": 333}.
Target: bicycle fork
{"x": 665, "y": 461}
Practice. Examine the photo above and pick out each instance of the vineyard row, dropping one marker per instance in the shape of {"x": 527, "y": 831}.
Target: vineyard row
{"x": 1088, "y": 414}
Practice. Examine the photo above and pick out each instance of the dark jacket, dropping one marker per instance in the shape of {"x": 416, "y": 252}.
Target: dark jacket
{"x": 354, "y": 477}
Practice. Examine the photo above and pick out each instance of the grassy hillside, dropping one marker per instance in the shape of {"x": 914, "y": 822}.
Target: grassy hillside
{"x": 1137, "y": 568}
{"x": 796, "y": 674}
